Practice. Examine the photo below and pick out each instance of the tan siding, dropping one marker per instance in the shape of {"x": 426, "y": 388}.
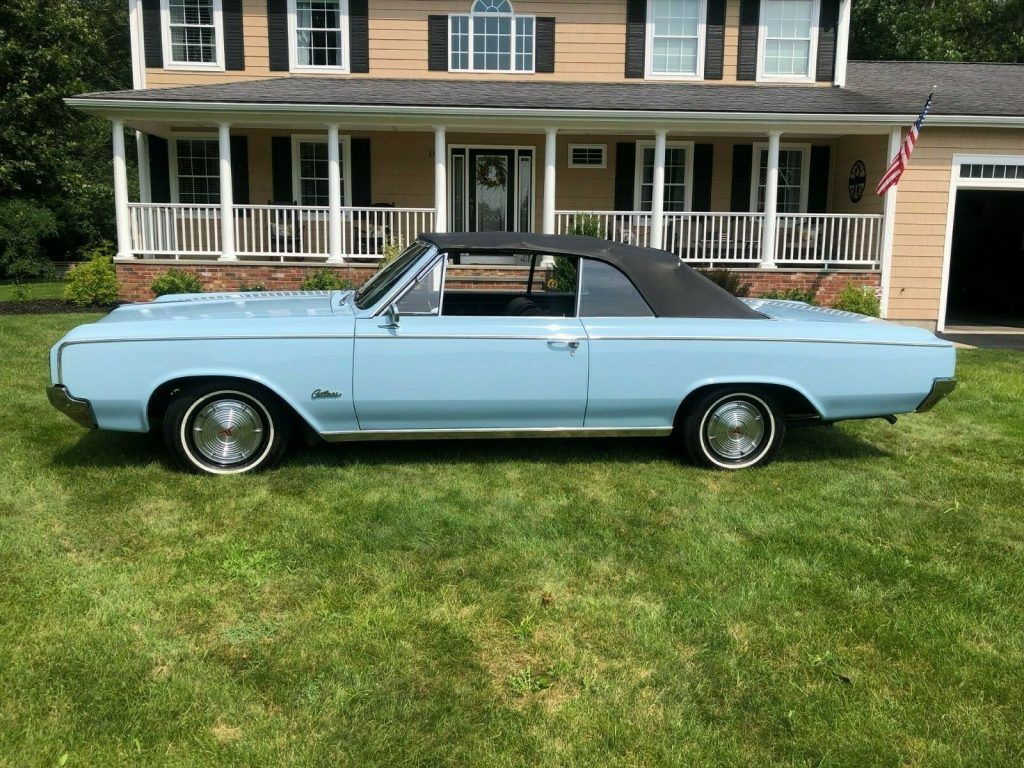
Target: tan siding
{"x": 848, "y": 150}
{"x": 921, "y": 207}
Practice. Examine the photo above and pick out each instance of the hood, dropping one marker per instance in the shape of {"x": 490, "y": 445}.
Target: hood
{"x": 234, "y": 306}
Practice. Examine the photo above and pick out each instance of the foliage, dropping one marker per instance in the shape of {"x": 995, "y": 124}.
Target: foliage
{"x": 175, "y": 281}
{"x": 325, "y": 279}
{"x": 93, "y": 282}
{"x": 729, "y": 279}
{"x": 790, "y": 294}
{"x": 51, "y": 49}
{"x": 586, "y": 225}
{"x": 861, "y": 299}
{"x": 950, "y": 30}
{"x": 562, "y": 275}
{"x": 367, "y": 605}
{"x": 24, "y": 225}
{"x": 252, "y": 287}
{"x": 391, "y": 251}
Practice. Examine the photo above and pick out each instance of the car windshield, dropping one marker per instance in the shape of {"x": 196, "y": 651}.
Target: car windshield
{"x": 385, "y": 279}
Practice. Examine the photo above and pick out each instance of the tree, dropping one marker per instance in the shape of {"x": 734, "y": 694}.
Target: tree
{"x": 23, "y": 227}
{"x": 51, "y": 49}
{"x": 940, "y": 30}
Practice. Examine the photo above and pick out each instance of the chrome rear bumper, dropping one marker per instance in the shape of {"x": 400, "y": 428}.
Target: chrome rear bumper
{"x": 940, "y": 388}
{"x": 75, "y": 409}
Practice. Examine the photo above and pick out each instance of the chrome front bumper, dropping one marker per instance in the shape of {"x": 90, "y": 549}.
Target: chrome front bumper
{"x": 940, "y": 388}
{"x": 77, "y": 410}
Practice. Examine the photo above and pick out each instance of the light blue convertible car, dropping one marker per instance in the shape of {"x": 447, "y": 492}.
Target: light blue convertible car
{"x": 595, "y": 338}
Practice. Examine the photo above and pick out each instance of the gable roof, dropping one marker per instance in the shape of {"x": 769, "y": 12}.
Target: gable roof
{"x": 671, "y": 288}
{"x": 880, "y": 88}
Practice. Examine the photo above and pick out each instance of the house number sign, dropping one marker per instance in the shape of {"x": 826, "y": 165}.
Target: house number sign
{"x": 858, "y": 180}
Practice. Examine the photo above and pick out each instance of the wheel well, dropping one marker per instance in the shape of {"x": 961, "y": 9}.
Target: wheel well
{"x": 795, "y": 406}
{"x": 166, "y": 392}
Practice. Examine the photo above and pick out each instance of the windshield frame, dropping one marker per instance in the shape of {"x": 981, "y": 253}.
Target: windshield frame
{"x": 390, "y": 279}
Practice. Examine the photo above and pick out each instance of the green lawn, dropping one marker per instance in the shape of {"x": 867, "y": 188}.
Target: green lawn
{"x": 36, "y": 290}
{"x": 589, "y": 603}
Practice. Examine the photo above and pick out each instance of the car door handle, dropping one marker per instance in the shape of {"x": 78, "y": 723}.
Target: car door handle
{"x": 572, "y": 345}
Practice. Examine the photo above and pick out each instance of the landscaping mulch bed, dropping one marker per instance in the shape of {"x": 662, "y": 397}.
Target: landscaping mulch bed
{"x": 46, "y": 307}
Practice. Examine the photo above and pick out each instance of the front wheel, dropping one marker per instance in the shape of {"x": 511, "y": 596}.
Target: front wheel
{"x": 733, "y": 429}
{"x": 226, "y": 429}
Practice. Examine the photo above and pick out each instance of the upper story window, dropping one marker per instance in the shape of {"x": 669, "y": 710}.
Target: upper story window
{"x": 491, "y": 38}
{"x": 193, "y": 35}
{"x": 318, "y": 34}
{"x": 789, "y": 39}
{"x": 675, "y": 38}
{"x": 794, "y": 168}
{"x": 197, "y": 171}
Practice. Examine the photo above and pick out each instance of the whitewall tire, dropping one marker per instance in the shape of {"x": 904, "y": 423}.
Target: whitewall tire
{"x": 733, "y": 429}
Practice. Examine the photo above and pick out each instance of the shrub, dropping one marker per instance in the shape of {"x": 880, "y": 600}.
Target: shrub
{"x": 586, "y": 225}
{"x": 790, "y": 294}
{"x": 252, "y": 287}
{"x": 325, "y": 279}
{"x": 24, "y": 225}
{"x": 728, "y": 279}
{"x": 858, "y": 298}
{"x": 391, "y": 251}
{"x": 176, "y": 281}
{"x": 93, "y": 282}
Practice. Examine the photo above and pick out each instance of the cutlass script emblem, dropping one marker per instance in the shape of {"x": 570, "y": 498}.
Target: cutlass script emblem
{"x": 325, "y": 394}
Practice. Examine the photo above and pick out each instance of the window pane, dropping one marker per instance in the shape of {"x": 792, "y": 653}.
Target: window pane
{"x": 675, "y": 179}
{"x": 318, "y": 33}
{"x": 791, "y": 178}
{"x": 606, "y": 292}
{"x": 459, "y": 43}
{"x": 788, "y": 27}
{"x": 675, "y": 33}
{"x": 525, "y": 192}
{"x": 424, "y": 298}
{"x": 198, "y": 165}
{"x": 314, "y": 186}
{"x": 192, "y": 31}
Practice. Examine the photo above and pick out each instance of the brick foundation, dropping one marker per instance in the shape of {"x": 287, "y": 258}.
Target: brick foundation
{"x": 135, "y": 277}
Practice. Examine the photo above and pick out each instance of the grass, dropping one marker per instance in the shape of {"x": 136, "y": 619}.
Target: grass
{"x": 560, "y": 603}
{"x": 53, "y": 289}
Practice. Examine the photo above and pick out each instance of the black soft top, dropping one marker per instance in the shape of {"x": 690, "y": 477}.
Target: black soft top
{"x": 671, "y": 288}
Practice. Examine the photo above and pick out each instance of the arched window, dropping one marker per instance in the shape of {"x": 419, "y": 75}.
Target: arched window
{"x": 491, "y": 38}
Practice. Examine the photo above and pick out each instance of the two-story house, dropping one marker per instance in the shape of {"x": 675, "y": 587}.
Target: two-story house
{"x": 275, "y": 136}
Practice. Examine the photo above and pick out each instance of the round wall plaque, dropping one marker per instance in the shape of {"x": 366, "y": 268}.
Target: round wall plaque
{"x": 858, "y": 180}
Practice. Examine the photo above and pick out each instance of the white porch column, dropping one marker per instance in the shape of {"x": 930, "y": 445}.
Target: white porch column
{"x": 771, "y": 201}
{"x": 440, "y": 180}
{"x": 842, "y": 42}
{"x": 658, "y": 192}
{"x": 889, "y": 223}
{"x": 334, "y": 196}
{"x": 227, "y": 203}
{"x": 550, "y": 162}
{"x": 142, "y": 152}
{"x": 124, "y": 231}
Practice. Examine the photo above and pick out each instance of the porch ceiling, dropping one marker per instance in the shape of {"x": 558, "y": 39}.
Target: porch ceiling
{"x": 878, "y": 94}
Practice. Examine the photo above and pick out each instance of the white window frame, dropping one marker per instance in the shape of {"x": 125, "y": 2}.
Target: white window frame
{"x": 604, "y": 156}
{"x": 638, "y": 172}
{"x": 345, "y": 147}
{"x": 165, "y": 33}
{"x": 172, "y": 161}
{"x": 513, "y": 16}
{"x": 812, "y": 64}
{"x": 293, "y": 43}
{"x": 805, "y": 181}
{"x": 702, "y": 29}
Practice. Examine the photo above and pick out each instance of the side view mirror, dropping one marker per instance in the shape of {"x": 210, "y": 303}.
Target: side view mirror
{"x": 392, "y": 317}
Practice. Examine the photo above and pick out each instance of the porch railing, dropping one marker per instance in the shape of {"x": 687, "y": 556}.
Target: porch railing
{"x": 272, "y": 232}
{"x": 714, "y": 238}
{"x": 632, "y": 227}
{"x": 839, "y": 239}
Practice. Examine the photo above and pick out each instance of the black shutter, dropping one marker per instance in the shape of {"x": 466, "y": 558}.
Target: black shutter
{"x": 359, "y": 36}
{"x": 152, "y": 33}
{"x": 437, "y": 43}
{"x": 545, "y": 44}
{"x": 240, "y": 169}
{"x": 234, "y": 36}
{"x": 636, "y": 37}
{"x": 742, "y": 167}
{"x": 714, "y": 46}
{"x": 817, "y": 180}
{"x": 362, "y": 193}
{"x": 827, "y": 29}
{"x": 625, "y": 171}
{"x": 750, "y": 18}
{"x": 703, "y": 160}
{"x": 281, "y": 169}
{"x": 159, "y": 170}
{"x": 277, "y": 34}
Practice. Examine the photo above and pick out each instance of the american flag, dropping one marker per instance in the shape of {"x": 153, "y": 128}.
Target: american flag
{"x": 892, "y": 174}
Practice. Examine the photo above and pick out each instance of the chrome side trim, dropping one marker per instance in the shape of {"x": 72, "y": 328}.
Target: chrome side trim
{"x": 760, "y": 339}
{"x": 480, "y": 434}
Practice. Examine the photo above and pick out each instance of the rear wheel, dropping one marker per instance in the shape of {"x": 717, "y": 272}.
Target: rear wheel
{"x": 733, "y": 429}
{"x": 225, "y": 429}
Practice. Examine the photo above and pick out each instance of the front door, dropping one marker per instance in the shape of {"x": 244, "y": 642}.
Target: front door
{"x": 492, "y": 186}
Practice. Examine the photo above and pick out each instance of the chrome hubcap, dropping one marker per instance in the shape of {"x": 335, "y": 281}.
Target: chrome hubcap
{"x": 227, "y": 432}
{"x": 735, "y": 430}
